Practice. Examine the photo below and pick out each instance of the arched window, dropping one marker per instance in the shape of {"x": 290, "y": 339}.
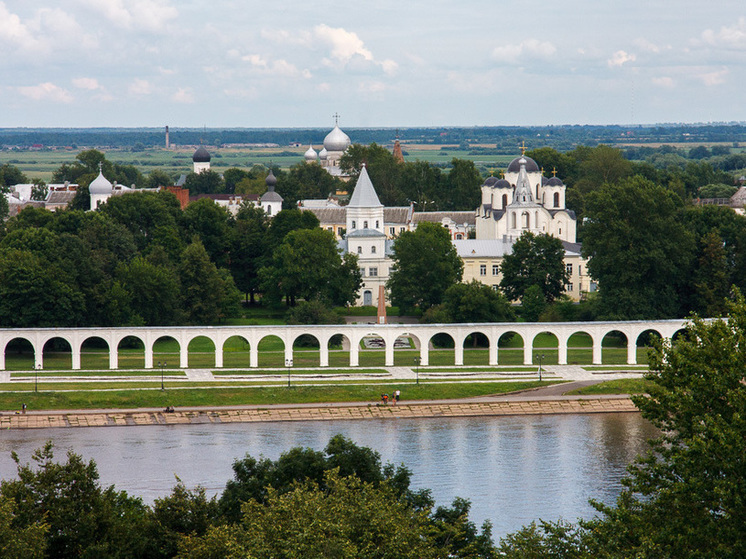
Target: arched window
{"x": 525, "y": 220}
{"x": 556, "y": 200}
{"x": 359, "y": 250}
{"x": 353, "y": 224}
{"x": 513, "y": 226}
{"x": 269, "y": 210}
{"x": 505, "y": 201}
{"x": 373, "y": 249}
{"x": 376, "y": 224}
{"x": 365, "y": 224}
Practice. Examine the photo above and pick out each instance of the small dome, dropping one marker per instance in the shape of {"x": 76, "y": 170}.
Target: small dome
{"x": 201, "y": 155}
{"x": 323, "y": 154}
{"x": 555, "y": 181}
{"x": 336, "y": 140}
{"x": 271, "y": 180}
{"x": 490, "y": 181}
{"x": 515, "y": 165}
{"x": 100, "y": 185}
{"x": 502, "y": 183}
{"x": 311, "y": 154}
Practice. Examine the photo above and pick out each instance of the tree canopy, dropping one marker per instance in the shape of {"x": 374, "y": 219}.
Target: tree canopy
{"x": 534, "y": 260}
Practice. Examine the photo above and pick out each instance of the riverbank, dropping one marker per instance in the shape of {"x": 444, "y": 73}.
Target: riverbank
{"x": 518, "y": 404}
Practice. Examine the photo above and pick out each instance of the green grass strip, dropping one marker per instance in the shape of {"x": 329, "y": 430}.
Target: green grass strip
{"x": 236, "y": 395}
{"x": 619, "y": 386}
{"x": 319, "y": 371}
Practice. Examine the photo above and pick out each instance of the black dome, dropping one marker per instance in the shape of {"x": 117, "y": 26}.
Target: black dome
{"x": 555, "y": 181}
{"x": 201, "y": 155}
{"x": 502, "y": 183}
{"x": 515, "y": 166}
{"x": 271, "y": 179}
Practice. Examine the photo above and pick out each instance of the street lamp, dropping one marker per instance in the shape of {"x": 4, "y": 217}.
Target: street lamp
{"x": 417, "y": 369}
{"x": 540, "y": 357}
{"x": 36, "y": 377}
{"x": 162, "y": 365}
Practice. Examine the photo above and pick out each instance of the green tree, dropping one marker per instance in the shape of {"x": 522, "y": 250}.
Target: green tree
{"x": 84, "y": 519}
{"x": 308, "y": 265}
{"x": 533, "y": 303}
{"x": 248, "y": 249}
{"x": 204, "y": 291}
{"x": 711, "y": 277}
{"x": 10, "y": 175}
{"x": 534, "y": 260}
{"x": 213, "y": 225}
{"x": 159, "y": 179}
{"x": 462, "y": 186}
{"x": 476, "y": 302}
{"x": 384, "y": 171}
{"x": 154, "y": 292}
{"x": 20, "y": 542}
{"x": 205, "y": 182}
{"x": 638, "y": 250}
{"x": 306, "y": 181}
{"x": 286, "y": 221}
{"x": 425, "y": 265}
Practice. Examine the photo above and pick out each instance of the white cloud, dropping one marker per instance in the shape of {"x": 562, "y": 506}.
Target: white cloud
{"x": 279, "y": 67}
{"x": 728, "y": 37}
{"x": 12, "y": 29}
{"x": 620, "y": 58}
{"x": 347, "y": 47}
{"x": 140, "y": 87}
{"x": 664, "y": 81}
{"x": 716, "y": 77}
{"x": 152, "y": 15}
{"x": 183, "y": 95}
{"x": 531, "y": 48}
{"x": 645, "y": 45}
{"x": 86, "y": 83}
{"x": 46, "y": 92}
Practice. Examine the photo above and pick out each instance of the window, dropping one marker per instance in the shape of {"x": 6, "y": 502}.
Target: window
{"x": 495, "y": 269}
{"x": 401, "y": 229}
{"x": 580, "y": 270}
{"x": 269, "y": 210}
{"x": 359, "y": 250}
{"x": 505, "y": 201}
{"x": 568, "y": 267}
{"x": 373, "y": 249}
{"x": 376, "y": 224}
{"x": 483, "y": 269}
{"x": 459, "y": 237}
{"x": 556, "y": 200}
{"x": 373, "y": 272}
{"x": 331, "y": 229}
{"x": 568, "y": 287}
{"x": 362, "y": 272}
{"x": 353, "y": 224}
{"x": 365, "y": 224}
{"x": 392, "y": 231}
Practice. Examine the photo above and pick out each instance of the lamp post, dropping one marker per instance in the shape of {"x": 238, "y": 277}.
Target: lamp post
{"x": 162, "y": 365}
{"x": 36, "y": 378}
{"x": 540, "y": 357}
{"x": 417, "y": 369}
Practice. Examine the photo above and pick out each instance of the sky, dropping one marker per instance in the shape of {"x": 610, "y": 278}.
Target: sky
{"x": 387, "y": 63}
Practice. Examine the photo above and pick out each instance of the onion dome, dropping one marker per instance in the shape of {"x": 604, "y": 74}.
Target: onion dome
{"x": 100, "y": 185}
{"x": 323, "y": 154}
{"x": 336, "y": 140}
{"x": 515, "y": 165}
{"x": 201, "y": 155}
{"x": 271, "y": 180}
{"x": 555, "y": 181}
{"x": 311, "y": 154}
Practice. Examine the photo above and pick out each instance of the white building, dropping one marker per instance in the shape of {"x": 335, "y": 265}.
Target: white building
{"x": 271, "y": 201}
{"x": 201, "y": 160}
{"x": 524, "y": 200}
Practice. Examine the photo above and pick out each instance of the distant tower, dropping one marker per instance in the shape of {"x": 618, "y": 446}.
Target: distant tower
{"x": 398, "y": 155}
{"x": 201, "y": 160}
{"x": 168, "y": 141}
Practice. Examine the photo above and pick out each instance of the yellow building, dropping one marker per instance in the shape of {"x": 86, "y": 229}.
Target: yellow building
{"x": 482, "y": 259}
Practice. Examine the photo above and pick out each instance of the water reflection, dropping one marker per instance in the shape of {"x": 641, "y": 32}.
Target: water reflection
{"x": 513, "y": 469}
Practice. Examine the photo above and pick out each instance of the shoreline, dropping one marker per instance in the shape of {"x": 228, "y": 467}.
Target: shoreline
{"x": 472, "y": 407}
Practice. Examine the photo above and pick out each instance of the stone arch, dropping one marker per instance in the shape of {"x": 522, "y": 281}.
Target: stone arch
{"x": 545, "y": 343}
{"x": 580, "y": 348}
{"x": 271, "y": 350}
{"x": 644, "y": 343}
{"x": 442, "y": 349}
{"x": 476, "y": 348}
{"x": 131, "y": 353}
{"x": 201, "y": 352}
{"x": 339, "y": 350}
{"x": 614, "y": 348}
{"x": 372, "y": 350}
{"x": 94, "y": 354}
{"x": 406, "y": 349}
{"x": 19, "y": 354}
{"x": 306, "y": 350}
{"x": 236, "y": 352}
{"x": 57, "y": 353}
{"x": 166, "y": 349}
{"x": 510, "y": 348}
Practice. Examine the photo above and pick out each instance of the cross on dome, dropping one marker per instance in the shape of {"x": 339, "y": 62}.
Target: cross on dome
{"x": 523, "y": 147}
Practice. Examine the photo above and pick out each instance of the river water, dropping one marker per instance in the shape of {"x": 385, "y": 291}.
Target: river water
{"x": 513, "y": 469}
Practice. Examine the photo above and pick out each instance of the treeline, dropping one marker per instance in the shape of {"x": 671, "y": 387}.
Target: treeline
{"x": 507, "y": 138}
{"x": 342, "y": 502}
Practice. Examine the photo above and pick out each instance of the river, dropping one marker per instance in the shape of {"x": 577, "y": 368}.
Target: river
{"x": 513, "y": 469}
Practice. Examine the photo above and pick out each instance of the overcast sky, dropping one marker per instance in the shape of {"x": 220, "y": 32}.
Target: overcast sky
{"x": 231, "y": 63}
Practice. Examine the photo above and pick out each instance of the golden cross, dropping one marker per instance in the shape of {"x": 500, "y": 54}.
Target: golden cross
{"x": 523, "y": 147}
{"x": 554, "y": 172}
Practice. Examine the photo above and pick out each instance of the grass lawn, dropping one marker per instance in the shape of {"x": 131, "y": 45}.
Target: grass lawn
{"x": 236, "y": 395}
{"x": 619, "y": 386}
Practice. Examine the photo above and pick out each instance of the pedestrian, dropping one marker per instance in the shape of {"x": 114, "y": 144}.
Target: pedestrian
{"x": 397, "y": 394}
{"x": 385, "y": 399}
{"x": 23, "y": 408}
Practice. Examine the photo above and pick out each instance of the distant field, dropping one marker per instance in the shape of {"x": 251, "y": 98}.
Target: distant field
{"x": 41, "y": 164}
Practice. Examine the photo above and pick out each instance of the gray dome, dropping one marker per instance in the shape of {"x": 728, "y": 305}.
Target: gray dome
{"x": 502, "y": 183}
{"x": 311, "y": 154}
{"x": 323, "y": 154}
{"x": 515, "y": 165}
{"x": 100, "y": 185}
{"x": 201, "y": 155}
{"x": 490, "y": 181}
{"x": 555, "y": 181}
{"x": 336, "y": 140}
{"x": 271, "y": 180}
